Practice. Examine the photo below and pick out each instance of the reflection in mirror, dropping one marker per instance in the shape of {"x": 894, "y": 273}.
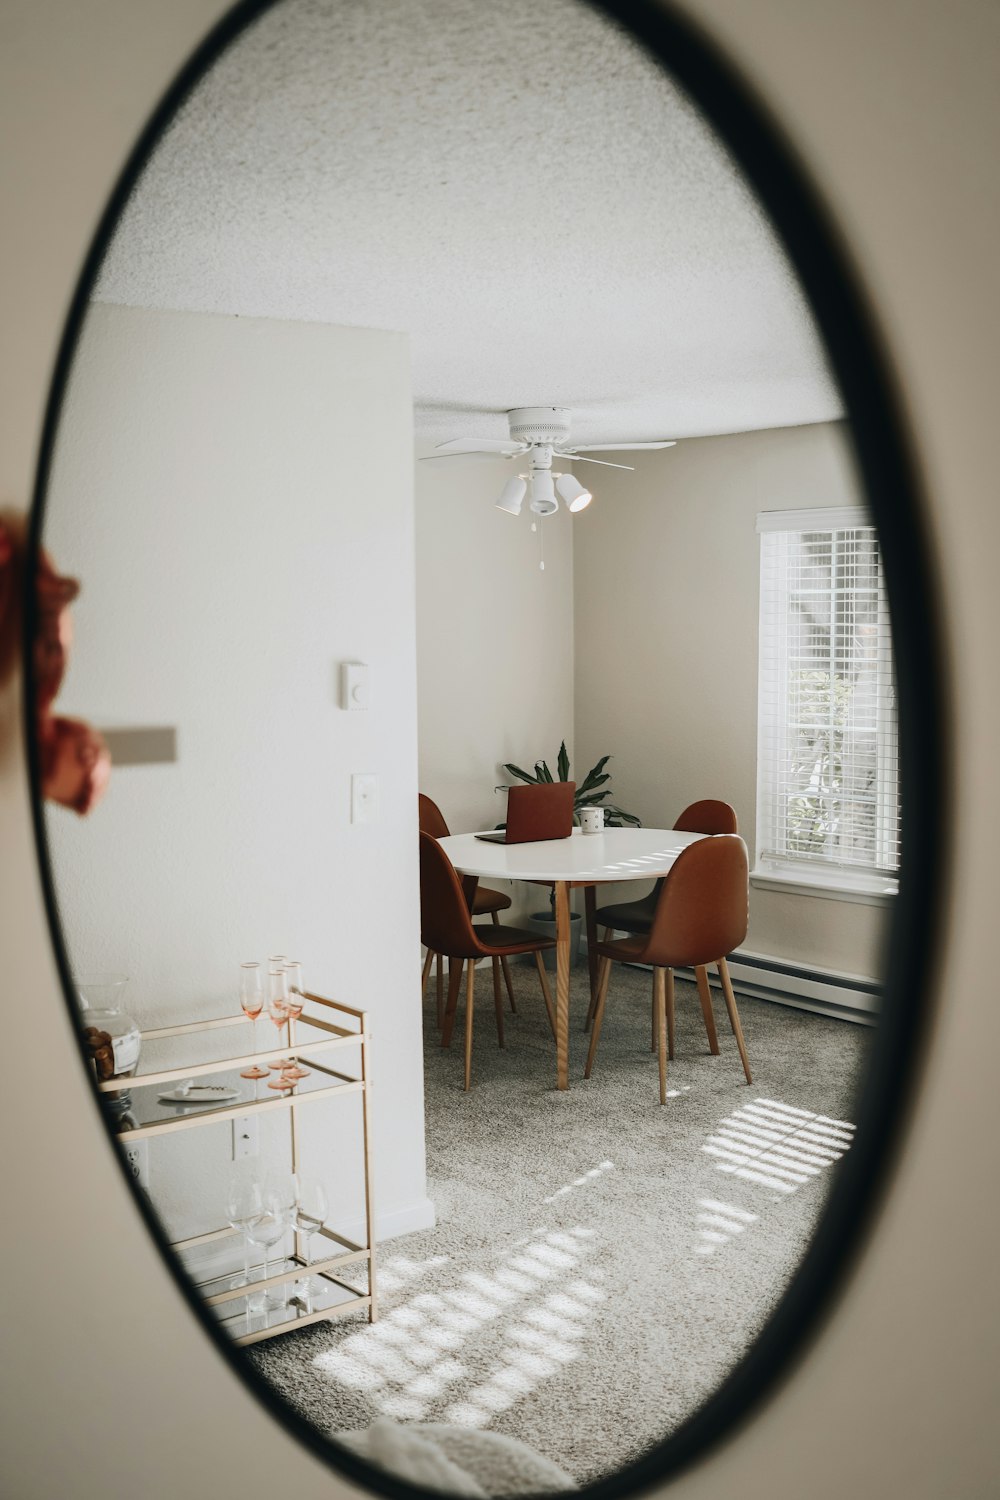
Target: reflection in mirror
{"x": 370, "y": 232}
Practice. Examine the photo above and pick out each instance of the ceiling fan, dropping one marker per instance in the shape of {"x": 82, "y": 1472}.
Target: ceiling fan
{"x": 539, "y": 434}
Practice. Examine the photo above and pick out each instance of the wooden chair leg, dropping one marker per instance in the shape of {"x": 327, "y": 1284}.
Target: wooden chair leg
{"x": 602, "y": 995}
{"x": 730, "y": 998}
{"x": 592, "y": 1007}
{"x": 440, "y": 989}
{"x": 425, "y": 971}
{"x": 705, "y": 996}
{"x": 657, "y": 1007}
{"x": 470, "y": 1001}
{"x": 668, "y": 985}
{"x": 660, "y": 993}
{"x": 506, "y": 971}
{"x": 546, "y": 992}
{"x": 454, "y": 981}
{"x": 590, "y": 918}
{"x": 498, "y": 1000}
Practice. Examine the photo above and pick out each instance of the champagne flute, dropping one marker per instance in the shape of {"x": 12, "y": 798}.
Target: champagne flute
{"x": 296, "y": 994}
{"x": 277, "y": 1009}
{"x": 296, "y": 1000}
{"x": 252, "y": 1003}
{"x": 311, "y": 1211}
{"x": 244, "y": 1206}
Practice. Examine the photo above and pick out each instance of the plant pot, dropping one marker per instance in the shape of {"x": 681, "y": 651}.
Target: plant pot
{"x": 545, "y": 923}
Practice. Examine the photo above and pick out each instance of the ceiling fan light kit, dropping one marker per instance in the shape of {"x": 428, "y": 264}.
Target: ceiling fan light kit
{"x": 572, "y": 491}
{"x": 512, "y": 495}
{"x": 543, "y": 495}
{"x": 539, "y": 433}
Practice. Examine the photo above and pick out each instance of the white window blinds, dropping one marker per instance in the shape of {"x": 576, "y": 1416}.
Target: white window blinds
{"x": 827, "y": 763}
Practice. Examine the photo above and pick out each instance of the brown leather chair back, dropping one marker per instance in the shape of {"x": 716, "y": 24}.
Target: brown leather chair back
{"x": 432, "y": 820}
{"x": 703, "y": 907}
{"x": 707, "y": 816}
{"x": 445, "y": 923}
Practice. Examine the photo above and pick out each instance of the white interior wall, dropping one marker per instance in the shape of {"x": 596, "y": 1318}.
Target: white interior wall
{"x": 494, "y": 642}
{"x": 894, "y": 1394}
{"x": 667, "y": 590}
{"x": 236, "y": 496}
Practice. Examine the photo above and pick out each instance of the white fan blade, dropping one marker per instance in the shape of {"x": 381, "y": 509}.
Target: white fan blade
{"x": 622, "y": 447}
{"x": 503, "y": 446}
{"x": 472, "y": 456}
{"x": 583, "y": 459}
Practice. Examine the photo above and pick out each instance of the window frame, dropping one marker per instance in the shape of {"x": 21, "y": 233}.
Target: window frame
{"x": 802, "y": 874}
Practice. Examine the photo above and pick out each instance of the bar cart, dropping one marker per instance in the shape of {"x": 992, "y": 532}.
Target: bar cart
{"x": 342, "y": 1028}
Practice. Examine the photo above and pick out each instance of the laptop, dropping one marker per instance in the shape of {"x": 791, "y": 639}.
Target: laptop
{"x": 535, "y": 813}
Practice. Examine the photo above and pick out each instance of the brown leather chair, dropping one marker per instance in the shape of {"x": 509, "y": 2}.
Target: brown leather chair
{"x": 446, "y": 927}
{"x": 701, "y": 915}
{"x": 635, "y": 917}
{"x": 486, "y": 902}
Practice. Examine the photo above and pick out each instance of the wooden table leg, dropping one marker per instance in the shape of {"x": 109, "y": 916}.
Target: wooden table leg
{"x": 562, "y": 984}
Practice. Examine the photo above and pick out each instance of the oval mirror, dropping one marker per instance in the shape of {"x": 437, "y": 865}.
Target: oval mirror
{"x": 471, "y": 426}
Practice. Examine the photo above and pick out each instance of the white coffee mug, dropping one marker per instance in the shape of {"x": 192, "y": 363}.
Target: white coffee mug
{"x": 592, "y": 819}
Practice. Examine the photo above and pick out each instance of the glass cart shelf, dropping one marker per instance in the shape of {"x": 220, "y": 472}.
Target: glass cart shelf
{"x": 149, "y": 1116}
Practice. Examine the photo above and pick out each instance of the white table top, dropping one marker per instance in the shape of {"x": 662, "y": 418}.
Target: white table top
{"x": 615, "y": 854}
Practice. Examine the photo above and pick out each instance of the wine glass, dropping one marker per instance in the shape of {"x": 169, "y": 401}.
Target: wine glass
{"x": 311, "y": 1211}
{"x": 252, "y": 1002}
{"x": 244, "y": 1205}
{"x": 296, "y": 1000}
{"x": 277, "y": 1198}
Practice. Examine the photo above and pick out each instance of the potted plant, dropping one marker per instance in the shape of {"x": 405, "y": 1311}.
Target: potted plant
{"x": 588, "y": 794}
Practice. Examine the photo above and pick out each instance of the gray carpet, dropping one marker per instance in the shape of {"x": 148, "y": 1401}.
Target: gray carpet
{"x": 599, "y": 1262}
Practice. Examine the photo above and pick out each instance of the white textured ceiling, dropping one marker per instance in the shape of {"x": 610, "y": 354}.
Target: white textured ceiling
{"x": 516, "y": 185}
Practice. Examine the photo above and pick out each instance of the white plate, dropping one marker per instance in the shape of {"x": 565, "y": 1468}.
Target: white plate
{"x": 201, "y": 1093}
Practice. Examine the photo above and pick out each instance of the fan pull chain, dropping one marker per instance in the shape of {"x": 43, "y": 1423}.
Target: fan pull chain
{"x": 541, "y": 548}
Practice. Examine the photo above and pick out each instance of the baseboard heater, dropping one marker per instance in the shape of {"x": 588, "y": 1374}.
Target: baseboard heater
{"x": 844, "y": 997}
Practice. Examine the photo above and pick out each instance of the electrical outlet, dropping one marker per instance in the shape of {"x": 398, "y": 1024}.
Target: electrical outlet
{"x": 136, "y": 1155}
{"x": 246, "y": 1137}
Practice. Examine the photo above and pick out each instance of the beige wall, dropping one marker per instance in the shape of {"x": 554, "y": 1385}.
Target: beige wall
{"x": 667, "y": 590}
{"x": 494, "y": 641}
{"x": 893, "y": 108}
{"x": 236, "y": 495}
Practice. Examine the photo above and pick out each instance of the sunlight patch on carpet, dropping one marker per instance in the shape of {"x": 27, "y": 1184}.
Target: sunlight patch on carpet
{"x": 776, "y": 1146}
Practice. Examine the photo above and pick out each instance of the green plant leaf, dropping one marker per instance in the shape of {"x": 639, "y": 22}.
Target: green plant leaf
{"x": 544, "y": 774}
{"x": 590, "y": 786}
{"x": 562, "y": 764}
{"x": 513, "y": 770}
{"x": 615, "y": 816}
{"x": 591, "y": 799}
{"x": 592, "y": 776}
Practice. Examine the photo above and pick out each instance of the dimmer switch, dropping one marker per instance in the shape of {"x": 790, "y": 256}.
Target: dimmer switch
{"x": 354, "y": 685}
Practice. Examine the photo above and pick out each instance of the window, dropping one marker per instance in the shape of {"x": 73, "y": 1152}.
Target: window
{"x": 827, "y": 760}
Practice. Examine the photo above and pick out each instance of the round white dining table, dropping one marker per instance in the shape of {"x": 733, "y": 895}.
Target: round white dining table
{"x": 584, "y": 859}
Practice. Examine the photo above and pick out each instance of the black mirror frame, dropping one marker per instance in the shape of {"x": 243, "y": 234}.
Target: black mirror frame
{"x": 873, "y": 408}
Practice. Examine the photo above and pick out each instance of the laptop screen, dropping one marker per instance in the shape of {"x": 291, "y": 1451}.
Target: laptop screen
{"x": 540, "y": 812}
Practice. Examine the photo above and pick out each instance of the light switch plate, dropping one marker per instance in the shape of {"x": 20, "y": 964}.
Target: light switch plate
{"x": 355, "y": 690}
{"x": 364, "y": 797}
